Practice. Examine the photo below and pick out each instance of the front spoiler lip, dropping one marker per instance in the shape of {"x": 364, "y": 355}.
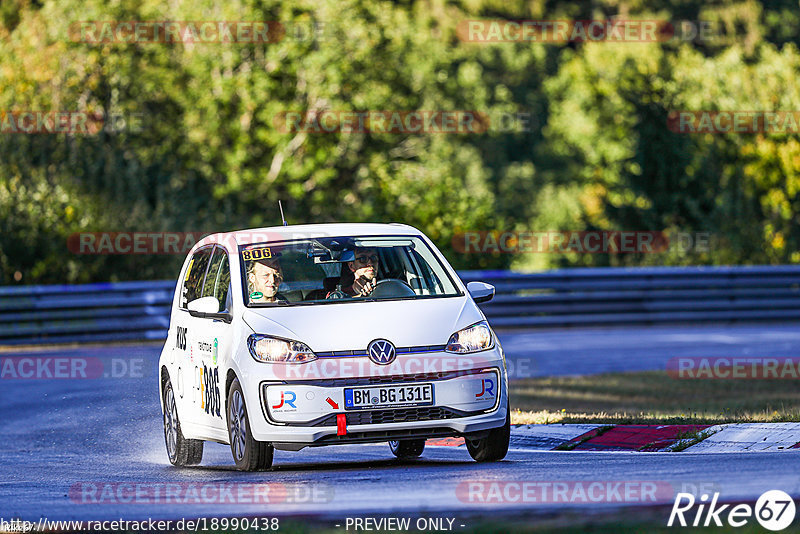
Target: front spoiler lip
{"x": 361, "y": 435}
{"x": 369, "y": 437}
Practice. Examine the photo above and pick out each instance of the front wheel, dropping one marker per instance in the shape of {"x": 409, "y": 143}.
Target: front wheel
{"x": 494, "y": 446}
{"x": 407, "y": 448}
{"x": 181, "y": 451}
{"x": 249, "y": 454}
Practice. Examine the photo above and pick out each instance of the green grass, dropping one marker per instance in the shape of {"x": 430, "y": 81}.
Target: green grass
{"x": 688, "y": 439}
{"x": 652, "y": 397}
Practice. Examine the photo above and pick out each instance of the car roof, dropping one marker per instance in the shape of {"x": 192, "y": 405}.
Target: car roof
{"x": 232, "y": 240}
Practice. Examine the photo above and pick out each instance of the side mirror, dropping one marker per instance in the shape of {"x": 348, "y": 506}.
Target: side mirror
{"x": 480, "y": 291}
{"x": 208, "y": 308}
{"x": 204, "y": 305}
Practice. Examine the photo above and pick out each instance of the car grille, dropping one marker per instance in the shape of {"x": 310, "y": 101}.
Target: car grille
{"x": 363, "y": 352}
{"x": 404, "y": 415}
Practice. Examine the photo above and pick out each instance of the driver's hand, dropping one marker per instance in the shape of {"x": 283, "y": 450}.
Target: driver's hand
{"x": 364, "y": 286}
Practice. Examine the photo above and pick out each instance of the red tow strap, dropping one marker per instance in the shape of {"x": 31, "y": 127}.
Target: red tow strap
{"x": 341, "y": 424}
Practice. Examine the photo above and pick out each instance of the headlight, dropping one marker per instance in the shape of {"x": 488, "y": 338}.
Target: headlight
{"x": 273, "y": 349}
{"x": 473, "y": 338}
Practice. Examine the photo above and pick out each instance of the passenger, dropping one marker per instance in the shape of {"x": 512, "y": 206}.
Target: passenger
{"x": 264, "y": 278}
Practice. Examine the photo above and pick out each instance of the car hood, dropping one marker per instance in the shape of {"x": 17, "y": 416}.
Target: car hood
{"x": 352, "y": 325}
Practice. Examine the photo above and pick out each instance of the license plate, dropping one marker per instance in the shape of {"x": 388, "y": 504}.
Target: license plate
{"x": 388, "y": 396}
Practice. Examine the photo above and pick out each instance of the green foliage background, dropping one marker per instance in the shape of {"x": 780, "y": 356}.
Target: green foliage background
{"x": 209, "y": 157}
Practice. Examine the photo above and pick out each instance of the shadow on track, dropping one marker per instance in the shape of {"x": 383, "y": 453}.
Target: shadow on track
{"x": 331, "y": 465}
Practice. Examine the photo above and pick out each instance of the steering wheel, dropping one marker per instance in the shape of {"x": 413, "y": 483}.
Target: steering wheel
{"x": 391, "y": 287}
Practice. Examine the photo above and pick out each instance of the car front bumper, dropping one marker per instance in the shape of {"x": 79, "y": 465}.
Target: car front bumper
{"x": 470, "y": 394}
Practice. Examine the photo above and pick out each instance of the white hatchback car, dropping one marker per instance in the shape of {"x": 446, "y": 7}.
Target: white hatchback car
{"x": 298, "y": 336}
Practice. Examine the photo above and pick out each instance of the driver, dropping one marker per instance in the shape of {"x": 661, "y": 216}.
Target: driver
{"x": 264, "y": 278}
{"x": 364, "y": 272}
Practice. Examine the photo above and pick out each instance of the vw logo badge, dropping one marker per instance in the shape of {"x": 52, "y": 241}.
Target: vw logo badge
{"x": 381, "y": 351}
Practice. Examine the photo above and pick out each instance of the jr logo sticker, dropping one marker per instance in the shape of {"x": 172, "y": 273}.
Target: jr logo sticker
{"x": 487, "y": 388}
{"x": 287, "y": 399}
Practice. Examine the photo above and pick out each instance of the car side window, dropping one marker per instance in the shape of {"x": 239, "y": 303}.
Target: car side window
{"x": 218, "y": 279}
{"x": 195, "y": 274}
{"x": 428, "y": 277}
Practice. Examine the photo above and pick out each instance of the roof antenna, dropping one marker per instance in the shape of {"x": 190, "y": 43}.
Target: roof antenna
{"x": 280, "y": 207}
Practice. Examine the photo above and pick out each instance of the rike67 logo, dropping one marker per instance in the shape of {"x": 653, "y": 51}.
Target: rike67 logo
{"x": 774, "y": 510}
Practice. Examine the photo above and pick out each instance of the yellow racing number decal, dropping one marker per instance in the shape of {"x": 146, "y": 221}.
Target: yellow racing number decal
{"x": 257, "y": 254}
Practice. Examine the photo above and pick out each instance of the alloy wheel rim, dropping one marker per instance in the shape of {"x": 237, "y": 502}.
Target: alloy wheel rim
{"x": 170, "y": 423}
{"x": 238, "y": 426}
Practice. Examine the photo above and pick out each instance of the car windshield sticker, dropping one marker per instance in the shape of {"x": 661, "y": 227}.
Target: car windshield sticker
{"x": 263, "y": 253}
{"x": 188, "y": 270}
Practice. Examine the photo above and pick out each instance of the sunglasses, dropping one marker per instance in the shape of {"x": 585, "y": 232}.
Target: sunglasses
{"x": 365, "y": 259}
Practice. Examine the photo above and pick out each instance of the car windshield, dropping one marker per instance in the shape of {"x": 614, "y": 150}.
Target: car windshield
{"x": 342, "y": 269}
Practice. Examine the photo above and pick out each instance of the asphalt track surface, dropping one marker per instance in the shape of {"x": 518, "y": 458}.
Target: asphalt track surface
{"x": 60, "y": 437}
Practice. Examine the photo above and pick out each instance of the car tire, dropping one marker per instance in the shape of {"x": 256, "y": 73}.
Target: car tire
{"x": 248, "y": 453}
{"x": 492, "y": 447}
{"x": 180, "y": 451}
{"x": 407, "y": 448}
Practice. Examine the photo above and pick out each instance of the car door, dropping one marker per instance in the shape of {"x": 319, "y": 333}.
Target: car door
{"x": 186, "y": 333}
{"x": 213, "y": 340}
